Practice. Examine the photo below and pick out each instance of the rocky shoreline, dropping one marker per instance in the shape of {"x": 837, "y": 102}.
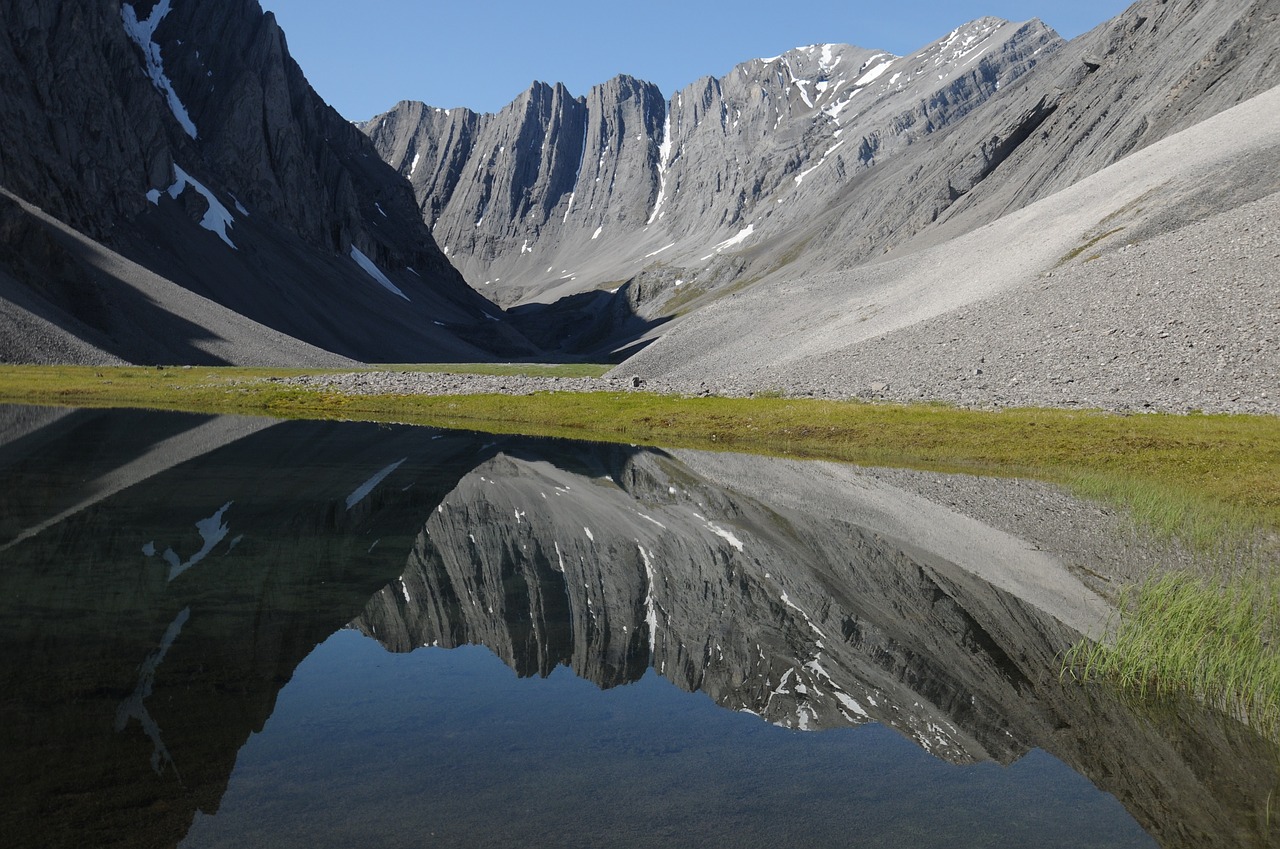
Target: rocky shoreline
{"x": 439, "y": 383}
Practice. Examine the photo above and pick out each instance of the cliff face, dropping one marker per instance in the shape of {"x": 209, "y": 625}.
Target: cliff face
{"x": 1158, "y": 68}
{"x": 183, "y": 137}
{"x": 556, "y": 194}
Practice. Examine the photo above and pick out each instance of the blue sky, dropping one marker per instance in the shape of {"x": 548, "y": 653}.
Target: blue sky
{"x": 363, "y": 58}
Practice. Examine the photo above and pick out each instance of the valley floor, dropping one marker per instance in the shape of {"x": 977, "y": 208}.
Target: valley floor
{"x": 1188, "y": 320}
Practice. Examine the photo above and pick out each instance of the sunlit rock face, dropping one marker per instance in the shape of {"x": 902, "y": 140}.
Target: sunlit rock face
{"x": 557, "y": 194}
{"x": 821, "y": 161}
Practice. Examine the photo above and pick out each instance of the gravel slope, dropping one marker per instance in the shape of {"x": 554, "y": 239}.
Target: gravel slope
{"x": 1049, "y": 305}
{"x": 1185, "y": 321}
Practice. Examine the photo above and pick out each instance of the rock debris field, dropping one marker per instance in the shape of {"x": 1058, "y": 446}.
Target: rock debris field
{"x": 1186, "y": 321}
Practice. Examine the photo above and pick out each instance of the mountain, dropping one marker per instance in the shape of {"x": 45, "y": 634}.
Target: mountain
{"x": 174, "y": 191}
{"x": 1120, "y": 257}
{"x": 557, "y": 194}
{"x": 818, "y": 165}
{"x": 835, "y": 220}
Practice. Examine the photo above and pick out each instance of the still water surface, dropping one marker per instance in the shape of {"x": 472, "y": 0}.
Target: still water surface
{"x": 231, "y": 632}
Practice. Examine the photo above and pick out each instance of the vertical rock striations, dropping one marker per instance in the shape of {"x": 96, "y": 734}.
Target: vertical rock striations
{"x": 722, "y": 165}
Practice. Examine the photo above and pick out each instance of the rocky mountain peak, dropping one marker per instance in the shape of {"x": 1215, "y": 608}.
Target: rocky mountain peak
{"x": 721, "y": 164}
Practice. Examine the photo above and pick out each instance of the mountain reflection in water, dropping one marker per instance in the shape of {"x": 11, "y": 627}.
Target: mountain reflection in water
{"x": 164, "y": 576}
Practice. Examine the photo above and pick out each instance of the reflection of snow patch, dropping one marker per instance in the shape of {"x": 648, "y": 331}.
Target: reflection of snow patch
{"x": 850, "y": 703}
{"x": 726, "y": 535}
{"x": 134, "y": 707}
{"x": 789, "y": 603}
{"x": 368, "y": 486}
{"x": 212, "y": 530}
{"x": 650, "y": 604}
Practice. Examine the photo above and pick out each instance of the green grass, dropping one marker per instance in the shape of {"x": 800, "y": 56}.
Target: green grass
{"x": 1205, "y": 480}
{"x": 1084, "y": 246}
{"x": 1205, "y": 525}
{"x": 1203, "y": 475}
{"x": 1217, "y": 641}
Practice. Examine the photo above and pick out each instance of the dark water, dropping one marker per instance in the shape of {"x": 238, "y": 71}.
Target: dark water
{"x": 219, "y": 632}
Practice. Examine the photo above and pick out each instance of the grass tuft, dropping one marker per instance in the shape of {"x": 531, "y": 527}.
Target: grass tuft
{"x": 1214, "y": 640}
{"x": 1204, "y": 524}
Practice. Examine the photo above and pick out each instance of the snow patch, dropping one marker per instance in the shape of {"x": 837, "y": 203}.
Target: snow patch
{"x": 362, "y": 491}
{"x": 800, "y": 177}
{"x": 597, "y": 233}
{"x": 142, "y": 34}
{"x": 376, "y": 273}
{"x": 660, "y": 250}
{"x": 217, "y": 218}
{"x": 734, "y": 241}
{"x": 664, "y": 162}
{"x": 829, "y": 60}
{"x": 874, "y": 74}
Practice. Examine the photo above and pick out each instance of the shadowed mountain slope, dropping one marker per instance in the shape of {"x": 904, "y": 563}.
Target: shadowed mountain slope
{"x": 181, "y": 137}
